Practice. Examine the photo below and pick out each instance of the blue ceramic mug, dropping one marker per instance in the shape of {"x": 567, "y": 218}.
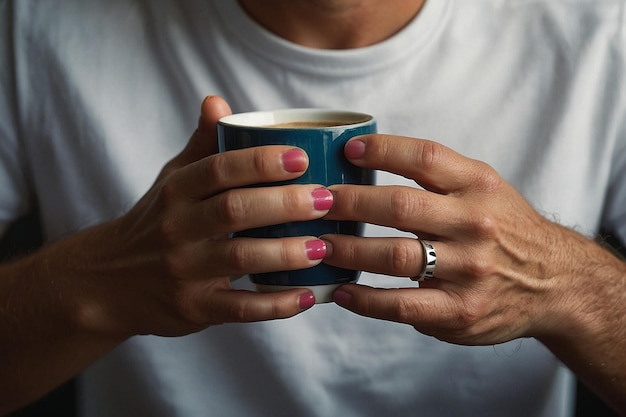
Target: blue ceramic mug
{"x": 322, "y": 134}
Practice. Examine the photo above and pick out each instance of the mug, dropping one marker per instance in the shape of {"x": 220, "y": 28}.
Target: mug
{"x": 322, "y": 134}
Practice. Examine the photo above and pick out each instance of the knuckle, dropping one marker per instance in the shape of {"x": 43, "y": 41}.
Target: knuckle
{"x": 383, "y": 147}
{"x": 466, "y": 319}
{"x": 258, "y": 160}
{"x": 345, "y": 200}
{"x": 403, "y": 259}
{"x": 479, "y": 263}
{"x": 168, "y": 193}
{"x": 239, "y": 258}
{"x": 487, "y": 178}
{"x": 169, "y": 225}
{"x": 483, "y": 226}
{"x": 169, "y": 168}
{"x": 471, "y": 314}
{"x": 404, "y": 205}
{"x": 232, "y": 208}
{"x": 170, "y": 232}
{"x": 249, "y": 311}
{"x": 293, "y": 200}
{"x": 479, "y": 266}
{"x": 467, "y": 323}
{"x": 289, "y": 258}
{"x": 430, "y": 154}
{"x": 243, "y": 258}
{"x": 187, "y": 309}
{"x": 351, "y": 199}
{"x": 177, "y": 264}
{"x": 403, "y": 310}
{"x": 239, "y": 312}
{"x": 216, "y": 168}
{"x": 278, "y": 309}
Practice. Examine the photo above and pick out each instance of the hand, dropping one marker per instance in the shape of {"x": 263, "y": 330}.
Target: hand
{"x": 503, "y": 271}
{"x": 166, "y": 269}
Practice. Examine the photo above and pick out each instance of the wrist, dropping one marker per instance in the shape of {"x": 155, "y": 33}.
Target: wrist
{"x": 68, "y": 281}
{"x": 587, "y": 296}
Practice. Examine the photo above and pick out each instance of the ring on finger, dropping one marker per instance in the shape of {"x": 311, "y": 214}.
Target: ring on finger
{"x": 430, "y": 262}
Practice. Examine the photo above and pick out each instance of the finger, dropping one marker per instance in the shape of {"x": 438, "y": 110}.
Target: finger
{"x": 434, "y": 166}
{"x": 444, "y": 314}
{"x": 203, "y": 142}
{"x": 400, "y": 257}
{"x": 457, "y": 263}
{"x": 246, "y": 306}
{"x": 403, "y": 208}
{"x": 415, "y": 306}
{"x": 248, "y": 208}
{"x": 241, "y": 256}
{"x": 219, "y": 172}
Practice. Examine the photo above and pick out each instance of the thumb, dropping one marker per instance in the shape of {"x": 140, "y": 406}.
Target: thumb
{"x": 203, "y": 142}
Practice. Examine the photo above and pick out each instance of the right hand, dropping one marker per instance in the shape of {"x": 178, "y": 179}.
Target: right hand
{"x": 166, "y": 264}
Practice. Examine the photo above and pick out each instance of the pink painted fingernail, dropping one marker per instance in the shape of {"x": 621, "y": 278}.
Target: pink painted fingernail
{"x": 322, "y": 199}
{"x": 315, "y": 249}
{"x": 341, "y": 297}
{"x": 306, "y": 300}
{"x": 294, "y": 161}
{"x": 355, "y": 149}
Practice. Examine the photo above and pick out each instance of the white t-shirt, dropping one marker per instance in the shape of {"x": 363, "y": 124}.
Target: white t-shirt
{"x": 98, "y": 95}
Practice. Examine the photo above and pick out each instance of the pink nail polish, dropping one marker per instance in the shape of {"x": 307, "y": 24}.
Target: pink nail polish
{"x": 315, "y": 249}
{"x": 306, "y": 300}
{"x": 294, "y": 161}
{"x": 355, "y": 149}
{"x": 322, "y": 199}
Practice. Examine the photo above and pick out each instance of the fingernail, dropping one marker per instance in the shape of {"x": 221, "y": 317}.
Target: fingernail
{"x": 342, "y": 297}
{"x": 355, "y": 149}
{"x": 306, "y": 300}
{"x": 322, "y": 199}
{"x": 294, "y": 161}
{"x": 329, "y": 247}
{"x": 315, "y": 249}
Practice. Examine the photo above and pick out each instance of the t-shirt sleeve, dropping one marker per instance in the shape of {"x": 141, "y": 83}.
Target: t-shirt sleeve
{"x": 15, "y": 192}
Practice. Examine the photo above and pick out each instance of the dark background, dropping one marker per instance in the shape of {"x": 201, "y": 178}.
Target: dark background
{"x": 24, "y": 236}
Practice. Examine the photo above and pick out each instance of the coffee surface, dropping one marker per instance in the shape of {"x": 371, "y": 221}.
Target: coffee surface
{"x": 321, "y": 123}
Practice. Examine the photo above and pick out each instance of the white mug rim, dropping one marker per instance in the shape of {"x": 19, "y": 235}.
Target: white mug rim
{"x": 266, "y": 119}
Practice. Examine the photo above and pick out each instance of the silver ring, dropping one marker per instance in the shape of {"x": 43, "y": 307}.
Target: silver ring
{"x": 430, "y": 262}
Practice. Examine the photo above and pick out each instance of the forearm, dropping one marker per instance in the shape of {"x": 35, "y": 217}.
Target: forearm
{"x": 163, "y": 268}
{"x": 594, "y": 338}
{"x": 44, "y": 341}
{"x": 602, "y": 372}
{"x": 39, "y": 367}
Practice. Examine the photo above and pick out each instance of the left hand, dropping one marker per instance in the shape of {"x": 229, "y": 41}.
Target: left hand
{"x": 503, "y": 271}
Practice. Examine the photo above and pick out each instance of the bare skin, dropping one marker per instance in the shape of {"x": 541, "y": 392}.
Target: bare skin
{"x": 91, "y": 288}
{"x": 154, "y": 270}
{"x": 346, "y": 23}
{"x": 503, "y": 272}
